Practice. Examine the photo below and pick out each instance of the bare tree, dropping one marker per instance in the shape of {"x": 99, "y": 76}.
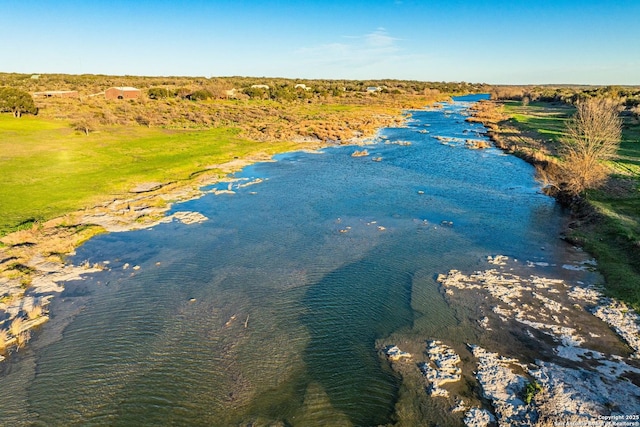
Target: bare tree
{"x": 85, "y": 125}
{"x": 593, "y": 135}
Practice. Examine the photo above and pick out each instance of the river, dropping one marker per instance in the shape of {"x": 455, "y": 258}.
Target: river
{"x": 271, "y": 311}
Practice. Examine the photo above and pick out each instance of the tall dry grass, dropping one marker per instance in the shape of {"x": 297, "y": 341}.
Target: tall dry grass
{"x": 35, "y": 312}
{"x": 16, "y": 326}
{"x": 23, "y": 338}
{"x": 4, "y": 337}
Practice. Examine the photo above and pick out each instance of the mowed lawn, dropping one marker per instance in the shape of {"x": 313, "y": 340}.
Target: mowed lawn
{"x": 47, "y": 169}
{"x": 547, "y": 119}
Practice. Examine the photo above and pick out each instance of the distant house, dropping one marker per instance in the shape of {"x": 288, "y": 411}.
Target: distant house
{"x": 122, "y": 92}
{"x": 374, "y": 89}
{"x": 260, "y": 87}
{"x": 35, "y": 76}
{"x": 56, "y": 94}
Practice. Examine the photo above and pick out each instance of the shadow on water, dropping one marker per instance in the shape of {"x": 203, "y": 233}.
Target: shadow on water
{"x": 346, "y": 312}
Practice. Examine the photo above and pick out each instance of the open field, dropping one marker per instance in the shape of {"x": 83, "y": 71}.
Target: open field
{"x": 612, "y": 236}
{"x": 546, "y": 119}
{"x": 48, "y": 169}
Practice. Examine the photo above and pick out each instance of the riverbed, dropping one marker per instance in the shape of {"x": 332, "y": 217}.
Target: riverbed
{"x": 274, "y": 303}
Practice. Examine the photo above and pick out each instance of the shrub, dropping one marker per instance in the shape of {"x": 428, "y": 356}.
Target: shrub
{"x": 23, "y": 338}
{"x": 531, "y": 390}
{"x": 200, "y": 95}
{"x": 85, "y": 125}
{"x": 183, "y": 92}
{"x": 158, "y": 93}
{"x": 144, "y": 120}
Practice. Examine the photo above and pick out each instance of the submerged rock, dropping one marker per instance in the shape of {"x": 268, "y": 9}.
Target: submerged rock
{"x": 394, "y": 353}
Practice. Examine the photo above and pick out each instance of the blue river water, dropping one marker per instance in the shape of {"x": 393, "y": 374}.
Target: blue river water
{"x": 268, "y": 312}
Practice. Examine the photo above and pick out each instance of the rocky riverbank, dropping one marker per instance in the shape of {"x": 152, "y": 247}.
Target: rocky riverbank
{"x": 553, "y": 350}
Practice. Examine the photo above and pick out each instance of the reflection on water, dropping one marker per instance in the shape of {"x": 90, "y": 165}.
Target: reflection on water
{"x": 269, "y": 311}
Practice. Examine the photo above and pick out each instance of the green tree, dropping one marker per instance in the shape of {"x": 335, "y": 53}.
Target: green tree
{"x": 183, "y": 92}
{"x": 200, "y": 95}
{"x": 16, "y": 101}
{"x": 158, "y": 93}
{"x": 256, "y": 92}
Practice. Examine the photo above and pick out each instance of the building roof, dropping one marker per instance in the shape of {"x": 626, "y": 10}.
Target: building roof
{"x": 54, "y": 92}
{"x": 124, "y": 88}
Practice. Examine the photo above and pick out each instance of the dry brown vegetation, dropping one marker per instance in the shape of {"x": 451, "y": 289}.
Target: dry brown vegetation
{"x": 508, "y": 138}
{"x": 23, "y": 338}
{"x": 259, "y": 120}
{"x": 35, "y": 312}
{"x": 629, "y": 96}
{"x": 16, "y": 326}
{"x": 326, "y": 110}
{"x": 4, "y": 337}
{"x": 593, "y": 135}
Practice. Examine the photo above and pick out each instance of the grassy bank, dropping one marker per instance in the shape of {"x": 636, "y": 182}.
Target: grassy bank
{"x": 608, "y": 225}
{"x": 48, "y": 169}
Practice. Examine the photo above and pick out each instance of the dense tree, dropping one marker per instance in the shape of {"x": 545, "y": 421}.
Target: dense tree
{"x": 16, "y": 101}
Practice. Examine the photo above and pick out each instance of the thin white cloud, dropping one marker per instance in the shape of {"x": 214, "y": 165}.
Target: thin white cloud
{"x": 380, "y": 39}
{"x": 375, "y": 49}
{"x": 376, "y": 42}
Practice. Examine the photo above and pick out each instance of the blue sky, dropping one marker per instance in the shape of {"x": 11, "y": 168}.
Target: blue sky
{"x": 508, "y": 42}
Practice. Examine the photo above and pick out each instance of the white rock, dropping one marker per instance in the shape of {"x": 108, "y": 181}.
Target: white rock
{"x": 477, "y": 417}
{"x": 394, "y": 353}
{"x": 441, "y": 368}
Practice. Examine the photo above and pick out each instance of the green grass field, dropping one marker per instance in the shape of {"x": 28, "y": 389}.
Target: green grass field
{"x": 615, "y": 239}
{"x": 47, "y": 169}
{"x": 548, "y": 120}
